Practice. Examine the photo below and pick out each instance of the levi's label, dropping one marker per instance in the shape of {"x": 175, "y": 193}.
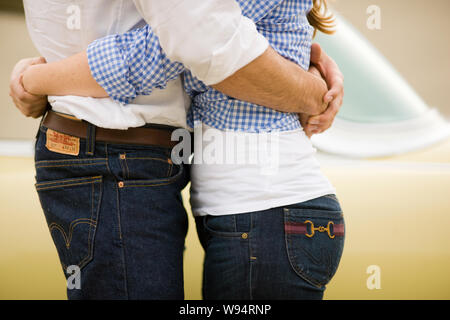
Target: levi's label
{"x": 62, "y": 143}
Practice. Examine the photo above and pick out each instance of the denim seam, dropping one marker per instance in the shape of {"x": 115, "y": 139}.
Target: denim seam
{"x": 330, "y": 196}
{"x": 119, "y": 225}
{"x": 92, "y": 229}
{"x": 69, "y": 165}
{"x": 68, "y": 237}
{"x": 65, "y": 185}
{"x": 123, "y": 168}
{"x": 250, "y": 280}
{"x": 156, "y": 183}
{"x": 148, "y": 158}
{"x": 124, "y": 263}
{"x": 90, "y": 147}
{"x": 291, "y": 255}
{"x": 169, "y": 171}
{"x": 330, "y": 214}
{"x": 68, "y": 160}
{"x": 117, "y": 194}
{"x": 88, "y": 141}
{"x": 220, "y": 234}
{"x": 88, "y": 180}
{"x": 147, "y": 185}
{"x": 251, "y": 263}
{"x": 127, "y": 173}
{"x": 91, "y": 234}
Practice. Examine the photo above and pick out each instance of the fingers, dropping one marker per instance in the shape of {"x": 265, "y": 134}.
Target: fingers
{"x": 315, "y": 71}
{"x": 320, "y": 123}
{"x": 333, "y": 98}
{"x": 17, "y": 91}
{"x": 31, "y": 110}
{"x": 314, "y": 125}
{"x": 23, "y": 108}
{"x": 20, "y": 67}
{"x": 303, "y": 117}
{"x": 316, "y": 53}
{"x": 331, "y": 74}
{"x": 335, "y": 93}
{"x": 28, "y": 104}
{"x": 38, "y": 60}
{"x": 23, "y": 64}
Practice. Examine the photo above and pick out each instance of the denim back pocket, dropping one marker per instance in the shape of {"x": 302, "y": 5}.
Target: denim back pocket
{"x": 315, "y": 239}
{"x": 71, "y": 208}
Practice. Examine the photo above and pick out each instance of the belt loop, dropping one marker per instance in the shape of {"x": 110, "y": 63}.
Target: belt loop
{"x": 90, "y": 139}
{"x": 41, "y": 122}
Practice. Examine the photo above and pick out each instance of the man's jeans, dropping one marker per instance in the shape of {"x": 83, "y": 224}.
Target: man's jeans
{"x": 285, "y": 253}
{"x": 117, "y": 215}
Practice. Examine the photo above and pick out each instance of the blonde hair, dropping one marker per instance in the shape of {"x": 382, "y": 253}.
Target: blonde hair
{"x": 320, "y": 18}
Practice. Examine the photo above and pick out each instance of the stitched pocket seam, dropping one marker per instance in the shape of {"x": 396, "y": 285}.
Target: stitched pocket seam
{"x": 92, "y": 221}
{"x": 291, "y": 254}
{"x": 222, "y": 234}
{"x": 153, "y": 183}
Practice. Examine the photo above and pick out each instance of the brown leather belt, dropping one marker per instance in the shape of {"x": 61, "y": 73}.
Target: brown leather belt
{"x": 152, "y": 136}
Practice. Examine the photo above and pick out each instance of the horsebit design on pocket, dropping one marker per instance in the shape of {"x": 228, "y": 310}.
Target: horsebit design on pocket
{"x": 302, "y": 228}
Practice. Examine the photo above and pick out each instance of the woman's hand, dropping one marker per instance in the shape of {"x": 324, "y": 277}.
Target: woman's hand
{"x": 29, "y": 104}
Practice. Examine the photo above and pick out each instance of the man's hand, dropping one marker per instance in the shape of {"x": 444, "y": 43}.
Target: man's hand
{"x": 30, "y": 105}
{"x": 304, "y": 118}
{"x": 329, "y": 70}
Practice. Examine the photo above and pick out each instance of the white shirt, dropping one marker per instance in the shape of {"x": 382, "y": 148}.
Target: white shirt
{"x": 60, "y": 29}
{"x": 213, "y": 40}
{"x": 254, "y": 172}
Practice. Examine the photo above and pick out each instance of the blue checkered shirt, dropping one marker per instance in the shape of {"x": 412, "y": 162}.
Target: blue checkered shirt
{"x": 133, "y": 64}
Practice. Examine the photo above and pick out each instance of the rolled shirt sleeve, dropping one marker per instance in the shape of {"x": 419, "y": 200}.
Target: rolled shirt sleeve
{"x": 210, "y": 37}
{"x": 131, "y": 64}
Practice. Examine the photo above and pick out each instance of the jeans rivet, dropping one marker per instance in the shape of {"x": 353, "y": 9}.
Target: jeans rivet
{"x": 244, "y": 235}
{"x": 121, "y": 184}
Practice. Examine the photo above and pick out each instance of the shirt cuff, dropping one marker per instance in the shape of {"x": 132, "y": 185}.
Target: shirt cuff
{"x": 109, "y": 70}
{"x": 246, "y": 45}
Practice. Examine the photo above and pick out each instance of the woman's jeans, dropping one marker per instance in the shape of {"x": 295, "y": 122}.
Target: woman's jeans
{"x": 286, "y": 253}
{"x": 116, "y": 216}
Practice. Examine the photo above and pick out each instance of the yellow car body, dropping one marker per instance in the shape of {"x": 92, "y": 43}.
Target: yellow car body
{"x": 397, "y": 213}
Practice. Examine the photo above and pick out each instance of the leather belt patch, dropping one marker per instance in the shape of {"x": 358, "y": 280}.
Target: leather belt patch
{"x": 62, "y": 143}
